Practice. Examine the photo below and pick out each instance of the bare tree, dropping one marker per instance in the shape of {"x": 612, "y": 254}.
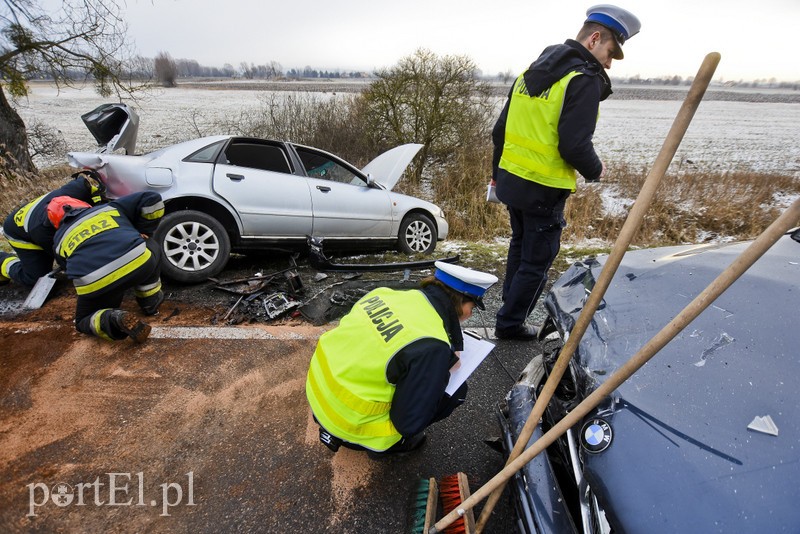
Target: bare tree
{"x": 437, "y": 101}
{"x": 84, "y": 40}
{"x": 166, "y": 70}
{"x": 46, "y": 141}
{"x": 274, "y": 69}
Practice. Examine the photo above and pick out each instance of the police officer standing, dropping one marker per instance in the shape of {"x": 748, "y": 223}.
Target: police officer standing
{"x": 378, "y": 379}
{"x": 106, "y": 251}
{"x": 543, "y": 136}
{"x": 30, "y": 233}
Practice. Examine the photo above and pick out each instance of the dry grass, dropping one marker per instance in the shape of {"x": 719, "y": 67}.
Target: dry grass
{"x": 461, "y": 191}
{"x": 688, "y": 207}
{"x": 17, "y": 189}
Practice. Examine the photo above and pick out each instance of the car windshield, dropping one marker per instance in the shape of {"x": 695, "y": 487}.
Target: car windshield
{"x": 319, "y": 165}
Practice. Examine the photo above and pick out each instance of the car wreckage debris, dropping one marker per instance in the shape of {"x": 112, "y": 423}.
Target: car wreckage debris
{"x": 320, "y": 262}
{"x": 267, "y": 297}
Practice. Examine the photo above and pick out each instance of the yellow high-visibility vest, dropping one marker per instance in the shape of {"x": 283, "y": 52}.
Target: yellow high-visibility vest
{"x": 346, "y": 385}
{"x": 530, "y": 150}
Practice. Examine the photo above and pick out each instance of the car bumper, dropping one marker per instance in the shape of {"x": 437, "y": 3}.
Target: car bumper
{"x": 540, "y": 505}
{"x": 443, "y": 228}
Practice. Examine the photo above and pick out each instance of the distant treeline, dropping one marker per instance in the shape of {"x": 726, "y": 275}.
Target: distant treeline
{"x": 142, "y": 68}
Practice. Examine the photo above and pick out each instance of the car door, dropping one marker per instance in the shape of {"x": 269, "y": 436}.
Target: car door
{"x": 256, "y": 178}
{"x": 344, "y": 204}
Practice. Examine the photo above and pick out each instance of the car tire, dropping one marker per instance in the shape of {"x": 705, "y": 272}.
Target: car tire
{"x": 194, "y": 246}
{"x": 417, "y": 234}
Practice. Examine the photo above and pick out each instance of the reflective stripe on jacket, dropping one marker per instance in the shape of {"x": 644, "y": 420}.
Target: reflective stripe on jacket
{"x": 530, "y": 150}
{"x": 29, "y": 228}
{"x": 22, "y": 219}
{"x": 347, "y": 386}
{"x": 102, "y": 245}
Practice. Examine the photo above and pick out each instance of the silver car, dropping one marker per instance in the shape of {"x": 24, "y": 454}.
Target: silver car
{"x": 225, "y": 193}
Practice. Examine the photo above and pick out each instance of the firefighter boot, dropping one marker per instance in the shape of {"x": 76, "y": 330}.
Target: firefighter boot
{"x": 149, "y": 305}
{"x": 149, "y": 297}
{"x": 129, "y": 325}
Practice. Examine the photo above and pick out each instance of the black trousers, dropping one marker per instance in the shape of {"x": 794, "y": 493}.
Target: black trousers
{"x": 32, "y": 265}
{"x": 535, "y": 242}
{"x": 110, "y": 298}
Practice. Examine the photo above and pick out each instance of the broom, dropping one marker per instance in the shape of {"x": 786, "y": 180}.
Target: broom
{"x": 425, "y": 504}
{"x": 454, "y": 491}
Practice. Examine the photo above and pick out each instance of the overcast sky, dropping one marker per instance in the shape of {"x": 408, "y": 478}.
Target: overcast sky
{"x": 753, "y": 36}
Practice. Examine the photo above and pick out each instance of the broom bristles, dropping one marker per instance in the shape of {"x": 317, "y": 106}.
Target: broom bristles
{"x": 424, "y": 503}
{"x": 453, "y": 491}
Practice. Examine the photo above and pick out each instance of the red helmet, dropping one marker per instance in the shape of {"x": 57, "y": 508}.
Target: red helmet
{"x": 59, "y": 206}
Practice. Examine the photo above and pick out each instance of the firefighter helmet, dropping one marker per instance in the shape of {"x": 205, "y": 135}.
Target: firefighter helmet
{"x": 60, "y": 206}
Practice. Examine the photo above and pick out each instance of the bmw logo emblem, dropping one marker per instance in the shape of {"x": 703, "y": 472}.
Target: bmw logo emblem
{"x": 596, "y": 435}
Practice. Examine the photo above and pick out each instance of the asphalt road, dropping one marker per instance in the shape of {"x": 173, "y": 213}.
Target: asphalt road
{"x": 206, "y": 424}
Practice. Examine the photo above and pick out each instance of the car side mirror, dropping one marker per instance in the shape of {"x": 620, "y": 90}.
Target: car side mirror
{"x": 370, "y": 180}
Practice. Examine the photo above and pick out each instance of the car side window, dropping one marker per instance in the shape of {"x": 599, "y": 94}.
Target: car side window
{"x": 206, "y": 154}
{"x": 318, "y": 165}
{"x": 258, "y": 156}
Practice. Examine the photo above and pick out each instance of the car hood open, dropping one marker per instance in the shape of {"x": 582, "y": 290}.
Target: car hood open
{"x": 682, "y": 457}
{"x": 387, "y": 168}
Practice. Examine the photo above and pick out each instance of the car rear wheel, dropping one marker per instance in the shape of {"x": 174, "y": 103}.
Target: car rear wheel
{"x": 417, "y": 234}
{"x": 194, "y": 245}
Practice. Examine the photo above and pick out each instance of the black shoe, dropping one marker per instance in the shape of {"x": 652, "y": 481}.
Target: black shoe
{"x": 522, "y": 332}
{"x": 129, "y": 325}
{"x": 400, "y": 449}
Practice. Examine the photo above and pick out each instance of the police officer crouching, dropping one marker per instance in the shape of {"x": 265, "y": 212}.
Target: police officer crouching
{"x": 105, "y": 252}
{"x": 378, "y": 379}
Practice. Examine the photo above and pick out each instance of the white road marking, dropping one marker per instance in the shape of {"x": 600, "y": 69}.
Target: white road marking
{"x": 225, "y": 332}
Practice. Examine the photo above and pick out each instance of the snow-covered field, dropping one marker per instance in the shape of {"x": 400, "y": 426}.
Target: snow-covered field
{"x": 722, "y": 136}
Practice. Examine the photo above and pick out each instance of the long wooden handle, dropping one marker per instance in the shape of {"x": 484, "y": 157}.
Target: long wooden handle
{"x": 748, "y": 257}
{"x": 632, "y": 224}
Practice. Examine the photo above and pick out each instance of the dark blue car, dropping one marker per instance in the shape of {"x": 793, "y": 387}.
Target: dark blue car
{"x": 706, "y": 436}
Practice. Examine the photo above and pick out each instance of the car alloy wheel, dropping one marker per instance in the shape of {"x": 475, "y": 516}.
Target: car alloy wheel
{"x": 417, "y": 234}
{"x": 194, "y": 245}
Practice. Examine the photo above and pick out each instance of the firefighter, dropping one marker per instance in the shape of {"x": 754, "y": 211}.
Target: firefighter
{"x": 378, "y": 379}
{"x": 30, "y": 233}
{"x": 105, "y": 251}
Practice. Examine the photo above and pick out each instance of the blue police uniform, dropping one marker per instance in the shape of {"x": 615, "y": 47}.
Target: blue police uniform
{"x": 536, "y": 200}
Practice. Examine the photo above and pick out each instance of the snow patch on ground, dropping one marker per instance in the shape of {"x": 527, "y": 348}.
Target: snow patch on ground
{"x": 613, "y": 204}
{"x": 783, "y": 200}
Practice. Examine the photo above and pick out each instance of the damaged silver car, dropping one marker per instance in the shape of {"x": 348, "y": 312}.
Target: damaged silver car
{"x": 229, "y": 193}
{"x": 705, "y": 437}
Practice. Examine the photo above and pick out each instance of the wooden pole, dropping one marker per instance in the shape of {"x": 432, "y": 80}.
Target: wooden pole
{"x": 629, "y": 229}
{"x": 748, "y": 257}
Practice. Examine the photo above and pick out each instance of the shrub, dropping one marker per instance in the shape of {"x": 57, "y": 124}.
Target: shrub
{"x": 437, "y": 101}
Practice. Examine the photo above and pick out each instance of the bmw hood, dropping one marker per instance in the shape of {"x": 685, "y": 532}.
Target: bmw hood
{"x": 387, "y": 168}
{"x": 692, "y": 448}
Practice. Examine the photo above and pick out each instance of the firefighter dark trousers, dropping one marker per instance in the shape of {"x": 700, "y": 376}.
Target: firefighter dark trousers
{"x": 93, "y": 312}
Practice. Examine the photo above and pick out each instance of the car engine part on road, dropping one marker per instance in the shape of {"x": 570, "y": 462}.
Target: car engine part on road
{"x": 277, "y": 304}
